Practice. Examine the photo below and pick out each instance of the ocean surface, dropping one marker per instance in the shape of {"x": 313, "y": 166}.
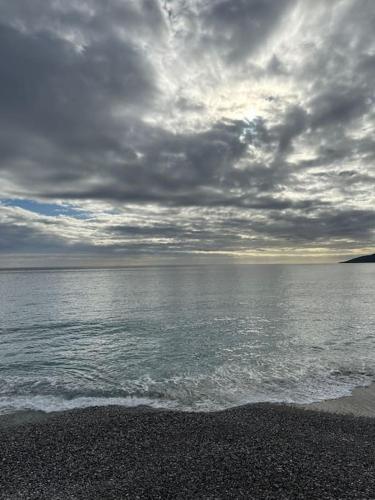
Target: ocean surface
{"x": 190, "y": 338}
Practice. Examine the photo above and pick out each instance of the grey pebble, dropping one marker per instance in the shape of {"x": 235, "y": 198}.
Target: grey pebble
{"x": 255, "y": 452}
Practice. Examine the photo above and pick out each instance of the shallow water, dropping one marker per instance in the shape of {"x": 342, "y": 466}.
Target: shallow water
{"x": 201, "y": 338}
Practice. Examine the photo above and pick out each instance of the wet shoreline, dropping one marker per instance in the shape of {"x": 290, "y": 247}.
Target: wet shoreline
{"x": 360, "y": 403}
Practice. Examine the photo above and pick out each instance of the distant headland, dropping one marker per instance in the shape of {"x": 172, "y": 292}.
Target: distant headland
{"x": 361, "y": 260}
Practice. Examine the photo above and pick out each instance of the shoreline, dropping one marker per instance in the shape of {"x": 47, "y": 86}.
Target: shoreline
{"x": 360, "y": 403}
{"x": 252, "y": 451}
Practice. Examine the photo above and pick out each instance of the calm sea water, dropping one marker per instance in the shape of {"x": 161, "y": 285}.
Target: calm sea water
{"x": 198, "y": 338}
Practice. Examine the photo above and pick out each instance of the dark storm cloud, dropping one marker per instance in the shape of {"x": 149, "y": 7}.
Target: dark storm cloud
{"x": 114, "y": 103}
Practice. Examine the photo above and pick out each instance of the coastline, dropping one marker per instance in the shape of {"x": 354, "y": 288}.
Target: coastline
{"x": 254, "y": 451}
{"x": 360, "y": 403}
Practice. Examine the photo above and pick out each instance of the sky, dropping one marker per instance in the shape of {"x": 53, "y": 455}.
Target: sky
{"x": 186, "y": 131}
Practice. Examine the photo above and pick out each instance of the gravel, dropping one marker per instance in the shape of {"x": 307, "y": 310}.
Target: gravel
{"x": 255, "y": 452}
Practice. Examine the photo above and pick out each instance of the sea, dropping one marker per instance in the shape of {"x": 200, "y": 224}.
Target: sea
{"x": 191, "y": 338}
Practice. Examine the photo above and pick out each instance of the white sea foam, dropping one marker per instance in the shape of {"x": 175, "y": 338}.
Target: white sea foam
{"x": 50, "y": 404}
{"x": 199, "y": 393}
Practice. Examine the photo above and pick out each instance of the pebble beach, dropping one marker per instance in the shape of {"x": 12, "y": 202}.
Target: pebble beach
{"x": 254, "y": 452}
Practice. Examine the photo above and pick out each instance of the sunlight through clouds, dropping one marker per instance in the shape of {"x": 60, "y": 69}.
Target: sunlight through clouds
{"x": 171, "y": 129}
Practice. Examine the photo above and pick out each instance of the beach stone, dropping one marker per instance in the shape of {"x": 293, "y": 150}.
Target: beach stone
{"x": 258, "y": 451}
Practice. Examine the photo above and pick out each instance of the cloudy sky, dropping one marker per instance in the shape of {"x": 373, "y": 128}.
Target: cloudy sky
{"x": 138, "y": 131}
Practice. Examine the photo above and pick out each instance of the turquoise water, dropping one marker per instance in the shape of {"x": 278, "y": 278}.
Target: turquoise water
{"x": 192, "y": 338}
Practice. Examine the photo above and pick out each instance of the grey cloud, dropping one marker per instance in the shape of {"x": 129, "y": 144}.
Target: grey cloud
{"x": 87, "y": 20}
{"x": 173, "y": 168}
{"x": 294, "y": 123}
{"x": 67, "y": 92}
{"x": 275, "y": 66}
{"x": 85, "y": 107}
{"x": 338, "y": 106}
{"x": 340, "y": 69}
{"x": 15, "y": 238}
{"x": 193, "y": 170}
{"x": 353, "y": 224}
{"x": 323, "y": 225}
{"x": 202, "y": 230}
{"x": 60, "y": 117}
{"x": 353, "y": 176}
{"x": 236, "y": 29}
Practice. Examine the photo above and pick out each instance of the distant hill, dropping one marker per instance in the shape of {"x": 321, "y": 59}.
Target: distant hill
{"x": 361, "y": 260}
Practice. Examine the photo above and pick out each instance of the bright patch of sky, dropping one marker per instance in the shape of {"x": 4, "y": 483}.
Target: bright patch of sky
{"x": 48, "y": 209}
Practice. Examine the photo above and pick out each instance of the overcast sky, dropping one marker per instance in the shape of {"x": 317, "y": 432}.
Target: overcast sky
{"x": 138, "y": 131}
